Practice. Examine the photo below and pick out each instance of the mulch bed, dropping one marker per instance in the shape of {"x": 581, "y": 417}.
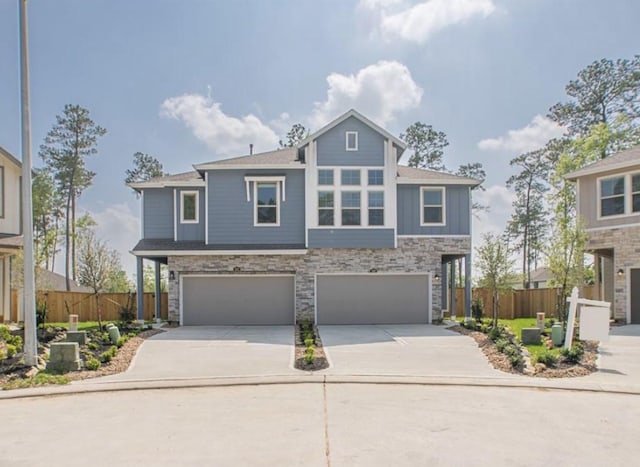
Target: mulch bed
{"x": 562, "y": 370}
{"x": 319, "y": 362}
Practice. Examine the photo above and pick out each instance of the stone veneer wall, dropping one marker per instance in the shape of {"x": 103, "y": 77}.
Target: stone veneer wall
{"x": 412, "y": 255}
{"x": 626, "y": 253}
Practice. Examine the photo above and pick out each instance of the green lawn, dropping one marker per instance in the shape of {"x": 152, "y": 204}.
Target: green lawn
{"x": 82, "y": 326}
{"x": 516, "y": 325}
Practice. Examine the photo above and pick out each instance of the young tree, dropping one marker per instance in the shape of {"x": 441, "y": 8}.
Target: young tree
{"x": 427, "y": 145}
{"x": 603, "y": 92}
{"x": 495, "y": 265}
{"x": 295, "y": 135}
{"x": 70, "y": 141}
{"x": 97, "y": 267}
{"x": 528, "y": 222}
{"x": 149, "y": 278}
{"x": 145, "y": 167}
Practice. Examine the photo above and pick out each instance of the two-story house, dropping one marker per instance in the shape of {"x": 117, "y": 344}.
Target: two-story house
{"x": 608, "y": 199}
{"x": 10, "y": 225}
{"x": 333, "y": 230}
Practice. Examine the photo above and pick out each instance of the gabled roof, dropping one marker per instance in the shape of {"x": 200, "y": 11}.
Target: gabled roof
{"x": 354, "y": 113}
{"x": 412, "y": 175}
{"x": 621, "y": 160}
{"x": 48, "y": 280}
{"x": 191, "y": 178}
{"x": 280, "y": 158}
{"x": 541, "y": 275}
{"x": 10, "y": 156}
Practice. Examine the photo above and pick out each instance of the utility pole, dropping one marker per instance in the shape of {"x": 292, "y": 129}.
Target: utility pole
{"x": 30, "y": 340}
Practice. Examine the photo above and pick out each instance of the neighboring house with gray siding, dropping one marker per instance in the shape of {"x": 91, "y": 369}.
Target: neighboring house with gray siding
{"x": 608, "y": 200}
{"x": 333, "y": 230}
{"x": 10, "y": 225}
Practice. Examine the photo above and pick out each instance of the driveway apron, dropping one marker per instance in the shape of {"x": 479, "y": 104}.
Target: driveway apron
{"x": 213, "y": 351}
{"x": 619, "y": 361}
{"x": 403, "y": 350}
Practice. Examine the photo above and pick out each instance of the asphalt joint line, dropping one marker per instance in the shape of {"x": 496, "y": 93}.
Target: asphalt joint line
{"x": 327, "y": 449}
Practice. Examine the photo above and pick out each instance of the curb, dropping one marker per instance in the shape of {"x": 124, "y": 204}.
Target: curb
{"x": 310, "y": 378}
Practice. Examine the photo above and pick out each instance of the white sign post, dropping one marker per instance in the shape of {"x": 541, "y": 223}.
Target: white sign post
{"x": 596, "y": 327}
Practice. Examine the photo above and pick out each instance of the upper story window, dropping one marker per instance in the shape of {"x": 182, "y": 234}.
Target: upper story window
{"x": 325, "y": 208}
{"x": 189, "y": 207}
{"x": 376, "y": 177}
{"x": 619, "y": 195}
{"x": 350, "y": 208}
{"x": 351, "y": 140}
{"x": 266, "y": 203}
{"x": 1, "y": 192}
{"x": 325, "y": 177}
{"x": 432, "y": 206}
{"x": 350, "y": 177}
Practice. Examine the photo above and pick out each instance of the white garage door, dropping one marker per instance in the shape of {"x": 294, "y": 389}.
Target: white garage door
{"x": 237, "y": 300}
{"x": 373, "y": 299}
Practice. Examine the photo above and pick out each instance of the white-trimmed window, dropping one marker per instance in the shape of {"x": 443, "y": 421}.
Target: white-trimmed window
{"x": 432, "y": 206}
{"x": 267, "y": 203}
{"x": 350, "y": 177}
{"x": 375, "y": 177}
{"x": 612, "y": 196}
{"x": 376, "y": 207}
{"x": 326, "y": 205}
{"x": 351, "y": 208}
{"x": 635, "y": 193}
{"x": 325, "y": 177}
{"x": 189, "y": 208}
{"x": 351, "y": 140}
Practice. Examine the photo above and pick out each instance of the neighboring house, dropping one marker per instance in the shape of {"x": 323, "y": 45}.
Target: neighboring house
{"x": 10, "y": 225}
{"x": 333, "y": 230}
{"x": 540, "y": 278}
{"x": 609, "y": 203}
{"x": 48, "y": 281}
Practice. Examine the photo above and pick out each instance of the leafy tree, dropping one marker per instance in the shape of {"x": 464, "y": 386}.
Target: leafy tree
{"x": 295, "y": 135}
{"x": 70, "y": 141}
{"x": 47, "y": 212}
{"x": 145, "y": 167}
{"x": 98, "y": 266}
{"x": 427, "y": 145}
{"x": 474, "y": 170}
{"x": 603, "y": 92}
{"x": 495, "y": 265}
{"x": 528, "y": 222}
{"x": 149, "y": 278}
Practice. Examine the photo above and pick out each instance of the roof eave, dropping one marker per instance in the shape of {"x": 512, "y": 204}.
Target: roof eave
{"x": 573, "y": 176}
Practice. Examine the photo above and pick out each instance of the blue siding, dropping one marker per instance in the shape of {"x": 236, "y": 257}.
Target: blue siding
{"x": 331, "y": 146}
{"x": 231, "y": 215}
{"x": 158, "y": 213}
{"x": 191, "y": 232}
{"x": 457, "y": 212}
{"x": 351, "y": 238}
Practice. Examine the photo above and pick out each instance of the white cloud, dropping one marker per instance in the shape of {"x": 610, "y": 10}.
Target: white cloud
{"x": 419, "y": 22}
{"x": 119, "y": 227}
{"x": 224, "y": 134}
{"x": 499, "y": 199}
{"x": 379, "y": 91}
{"x": 533, "y": 136}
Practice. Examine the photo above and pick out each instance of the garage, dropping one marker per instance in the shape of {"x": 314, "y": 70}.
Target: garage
{"x": 373, "y": 299}
{"x": 254, "y": 300}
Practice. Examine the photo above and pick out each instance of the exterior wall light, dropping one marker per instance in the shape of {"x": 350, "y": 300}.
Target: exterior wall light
{"x": 236, "y": 269}
{"x": 373, "y": 270}
{"x": 436, "y": 276}
{"x": 172, "y": 275}
{"x": 620, "y": 272}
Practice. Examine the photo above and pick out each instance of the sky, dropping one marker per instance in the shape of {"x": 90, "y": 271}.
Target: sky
{"x": 195, "y": 80}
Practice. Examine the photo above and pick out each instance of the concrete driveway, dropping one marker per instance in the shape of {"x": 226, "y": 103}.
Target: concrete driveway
{"x": 403, "y": 350}
{"x": 619, "y": 361}
{"x": 213, "y": 351}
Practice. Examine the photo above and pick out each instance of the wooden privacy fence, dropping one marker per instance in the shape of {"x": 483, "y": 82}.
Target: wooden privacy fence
{"x": 61, "y": 304}
{"x": 518, "y": 303}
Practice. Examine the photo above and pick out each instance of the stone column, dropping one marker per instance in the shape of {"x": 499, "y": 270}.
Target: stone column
{"x": 467, "y": 286}
{"x": 140, "y": 288}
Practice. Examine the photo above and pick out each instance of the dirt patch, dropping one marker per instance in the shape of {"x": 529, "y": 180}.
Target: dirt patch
{"x": 586, "y": 366}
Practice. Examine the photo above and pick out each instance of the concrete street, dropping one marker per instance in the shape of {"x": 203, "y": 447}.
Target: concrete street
{"x": 321, "y": 425}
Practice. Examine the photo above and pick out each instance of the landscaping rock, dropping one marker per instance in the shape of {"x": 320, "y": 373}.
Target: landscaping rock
{"x": 77, "y": 336}
{"x": 530, "y": 336}
{"x": 64, "y": 356}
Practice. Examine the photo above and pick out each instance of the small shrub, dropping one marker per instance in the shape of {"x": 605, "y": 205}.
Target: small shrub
{"x": 93, "y": 346}
{"x": 41, "y": 379}
{"x": 3, "y": 354}
{"x": 495, "y": 333}
{"x": 106, "y": 356}
{"x": 105, "y": 337}
{"x": 132, "y": 334}
{"x": 477, "y": 309}
{"x": 41, "y": 313}
{"x": 121, "y": 341}
{"x": 309, "y": 342}
{"x": 501, "y": 344}
{"x": 92, "y": 364}
{"x": 547, "y": 358}
{"x": 5, "y": 333}
{"x": 15, "y": 341}
{"x": 511, "y": 350}
{"x": 516, "y": 360}
{"x": 11, "y": 350}
{"x": 309, "y": 354}
{"x": 574, "y": 354}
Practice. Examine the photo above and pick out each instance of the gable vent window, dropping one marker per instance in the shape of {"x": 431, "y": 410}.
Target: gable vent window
{"x": 351, "y": 140}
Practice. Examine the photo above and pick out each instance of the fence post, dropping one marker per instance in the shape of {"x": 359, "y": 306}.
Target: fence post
{"x": 571, "y": 320}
